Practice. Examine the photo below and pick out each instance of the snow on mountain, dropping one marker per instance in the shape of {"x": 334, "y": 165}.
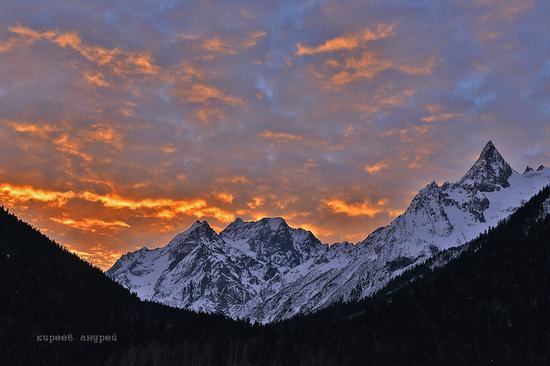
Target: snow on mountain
{"x": 266, "y": 271}
{"x": 218, "y": 273}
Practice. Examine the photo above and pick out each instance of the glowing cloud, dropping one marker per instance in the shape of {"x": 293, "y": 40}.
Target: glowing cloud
{"x": 120, "y": 62}
{"x": 376, "y": 168}
{"x": 369, "y": 65}
{"x": 355, "y": 209}
{"x": 255, "y": 202}
{"x": 217, "y": 45}
{"x": 279, "y": 136}
{"x": 225, "y": 197}
{"x": 438, "y": 115}
{"x": 348, "y": 42}
{"x": 156, "y": 116}
{"x": 200, "y": 93}
{"x": 13, "y": 193}
{"x": 90, "y": 224}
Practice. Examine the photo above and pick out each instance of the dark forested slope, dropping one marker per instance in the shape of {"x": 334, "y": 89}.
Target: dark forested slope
{"x": 46, "y": 290}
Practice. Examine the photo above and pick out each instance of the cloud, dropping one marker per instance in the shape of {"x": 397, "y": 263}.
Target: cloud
{"x": 146, "y": 115}
{"x": 118, "y": 202}
{"x": 96, "y": 79}
{"x": 90, "y": 224}
{"x": 160, "y": 207}
{"x": 255, "y": 202}
{"x": 41, "y": 130}
{"x": 376, "y": 168}
{"x": 120, "y": 62}
{"x": 224, "y": 196}
{"x": 13, "y": 194}
{"x": 355, "y": 209}
{"x": 437, "y": 114}
{"x": 216, "y": 45}
{"x": 505, "y": 9}
{"x": 348, "y": 42}
{"x": 209, "y": 99}
{"x": 279, "y": 136}
{"x": 67, "y": 141}
{"x": 99, "y": 254}
{"x": 201, "y": 93}
{"x": 369, "y": 65}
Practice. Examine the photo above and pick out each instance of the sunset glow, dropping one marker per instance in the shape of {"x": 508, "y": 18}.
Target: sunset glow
{"x": 121, "y": 124}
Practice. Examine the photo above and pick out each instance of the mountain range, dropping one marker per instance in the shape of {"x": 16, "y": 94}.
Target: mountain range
{"x": 266, "y": 271}
{"x": 483, "y": 302}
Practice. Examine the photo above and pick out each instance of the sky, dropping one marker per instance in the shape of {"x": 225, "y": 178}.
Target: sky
{"x": 122, "y": 123}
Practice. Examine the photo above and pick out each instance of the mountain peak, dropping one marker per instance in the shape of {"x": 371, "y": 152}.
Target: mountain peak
{"x": 490, "y": 172}
{"x": 489, "y": 149}
{"x": 274, "y": 222}
{"x": 198, "y": 227}
{"x": 198, "y": 224}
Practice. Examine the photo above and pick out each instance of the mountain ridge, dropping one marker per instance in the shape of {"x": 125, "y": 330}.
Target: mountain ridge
{"x": 488, "y": 304}
{"x": 273, "y": 272}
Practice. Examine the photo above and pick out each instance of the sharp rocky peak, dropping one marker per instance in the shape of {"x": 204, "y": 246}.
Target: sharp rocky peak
{"x": 199, "y": 228}
{"x": 489, "y": 173}
{"x": 274, "y": 222}
{"x": 237, "y": 226}
{"x": 199, "y": 225}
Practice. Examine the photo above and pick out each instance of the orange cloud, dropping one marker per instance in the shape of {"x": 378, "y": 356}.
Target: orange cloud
{"x": 161, "y": 208}
{"x": 420, "y": 70}
{"x": 140, "y": 62}
{"x": 31, "y": 34}
{"x": 70, "y": 146}
{"x": 369, "y": 65}
{"x": 99, "y": 254}
{"x": 12, "y": 193}
{"x": 375, "y": 168}
{"x": 230, "y": 46}
{"x": 348, "y": 42}
{"x": 224, "y": 196}
{"x": 119, "y": 202}
{"x": 169, "y": 149}
{"x": 89, "y": 224}
{"x": 438, "y": 115}
{"x": 201, "y": 93}
{"x": 316, "y": 230}
{"x": 14, "y": 42}
{"x": 42, "y": 130}
{"x": 217, "y": 213}
{"x": 65, "y": 140}
{"x": 101, "y": 132}
{"x": 354, "y": 209}
{"x": 240, "y": 179}
{"x": 120, "y": 62}
{"x": 255, "y": 202}
{"x": 208, "y": 114}
{"x": 279, "y": 136}
{"x": 441, "y": 117}
{"x": 96, "y": 79}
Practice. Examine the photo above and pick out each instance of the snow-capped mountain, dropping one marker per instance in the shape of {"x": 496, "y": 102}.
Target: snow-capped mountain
{"x": 217, "y": 273}
{"x": 266, "y": 271}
